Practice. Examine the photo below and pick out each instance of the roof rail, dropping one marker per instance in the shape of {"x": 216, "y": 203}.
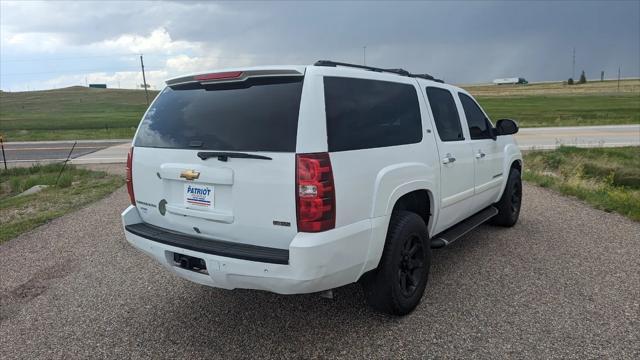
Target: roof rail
{"x": 428, "y": 77}
{"x": 401, "y": 72}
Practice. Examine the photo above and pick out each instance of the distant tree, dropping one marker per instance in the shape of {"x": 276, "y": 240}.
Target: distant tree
{"x": 570, "y": 81}
{"x": 583, "y": 78}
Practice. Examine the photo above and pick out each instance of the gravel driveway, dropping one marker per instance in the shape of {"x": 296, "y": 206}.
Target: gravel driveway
{"x": 565, "y": 282}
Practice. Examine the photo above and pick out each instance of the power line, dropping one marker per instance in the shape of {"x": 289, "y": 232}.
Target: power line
{"x": 67, "y": 58}
{"x": 85, "y": 57}
{"x": 254, "y": 56}
{"x": 75, "y": 71}
{"x": 112, "y": 69}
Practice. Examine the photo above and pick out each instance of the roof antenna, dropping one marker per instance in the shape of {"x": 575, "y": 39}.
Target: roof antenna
{"x": 364, "y": 55}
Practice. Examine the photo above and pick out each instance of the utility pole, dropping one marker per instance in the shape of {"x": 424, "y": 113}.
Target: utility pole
{"x": 573, "y": 66}
{"x": 4, "y": 157}
{"x": 144, "y": 80}
{"x": 364, "y": 55}
{"x": 618, "y": 79}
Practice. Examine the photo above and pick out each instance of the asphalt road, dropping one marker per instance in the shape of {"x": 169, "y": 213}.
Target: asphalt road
{"x": 114, "y": 151}
{"x": 19, "y": 152}
{"x": 563, "y": 283}
{"x": 586, "y": 136}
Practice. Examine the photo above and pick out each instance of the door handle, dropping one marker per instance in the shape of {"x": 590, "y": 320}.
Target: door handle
{"x": 480, "y": 154}
{"x": 448, "y": 159}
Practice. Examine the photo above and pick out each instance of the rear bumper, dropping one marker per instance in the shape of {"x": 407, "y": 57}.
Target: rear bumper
{"x": 207, "y": 246}
{"x": 316, "y": 262}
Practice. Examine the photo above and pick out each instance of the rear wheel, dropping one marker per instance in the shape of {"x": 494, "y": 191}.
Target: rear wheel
{"x": 509, "y": 204}
{"x": 398, "y": 283}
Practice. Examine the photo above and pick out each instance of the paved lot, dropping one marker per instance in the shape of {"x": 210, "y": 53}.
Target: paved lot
{"x": 32, "y": 151}
{"x": 565, "y": 282}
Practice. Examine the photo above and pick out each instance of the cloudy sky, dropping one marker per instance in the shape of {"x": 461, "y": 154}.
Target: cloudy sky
{"x": 55, "y": 44}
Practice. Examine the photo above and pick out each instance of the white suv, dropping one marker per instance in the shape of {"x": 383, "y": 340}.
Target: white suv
{"x": 298, "y": 179}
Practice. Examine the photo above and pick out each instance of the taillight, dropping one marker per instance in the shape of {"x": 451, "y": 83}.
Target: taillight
{"x": 129, "y": 178}
{"x": 219, "y": 76}
{"x": 315, "y": 193}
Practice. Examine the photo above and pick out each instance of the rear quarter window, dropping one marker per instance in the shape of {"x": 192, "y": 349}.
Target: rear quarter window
{"x": 363, "y": 114}
{"x": 256, "y": 115}
{"x": 445, "y": 114}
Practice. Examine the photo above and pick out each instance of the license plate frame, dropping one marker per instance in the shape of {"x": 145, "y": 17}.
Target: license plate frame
{"x": 199, "y": 196}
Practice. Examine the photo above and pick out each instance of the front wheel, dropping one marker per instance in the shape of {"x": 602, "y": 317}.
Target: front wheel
{"x": 397, "y": 285}
{"x": 509, "y": 204}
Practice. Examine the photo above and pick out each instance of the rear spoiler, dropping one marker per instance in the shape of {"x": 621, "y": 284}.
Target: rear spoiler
{"x": 230, "y": 76}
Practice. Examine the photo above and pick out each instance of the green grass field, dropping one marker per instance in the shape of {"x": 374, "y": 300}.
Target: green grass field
{"x": 564, "y": 110}
{"x": 71, "y": 113}
{"x": 558, "y": 104}
{"x": 606, "y": 178}
{"x": 74, "y": 189}
{"x": 83, "y": 113}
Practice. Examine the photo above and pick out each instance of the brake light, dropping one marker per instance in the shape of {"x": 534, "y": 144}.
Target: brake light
{"x": 219, "y": 76}
{"x": 315, "y": 193}
{"x": 129, "y": 177}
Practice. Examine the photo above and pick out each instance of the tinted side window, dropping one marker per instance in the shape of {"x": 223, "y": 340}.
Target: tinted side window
{"x": 364, "y": 114}
{"x": 478, "y": 123}
{"x": 445, "y": 114}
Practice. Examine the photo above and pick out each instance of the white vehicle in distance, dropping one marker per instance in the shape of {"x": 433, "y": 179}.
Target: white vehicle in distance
{"x": 510, "y": 81}
{"x": 300, "y": 179}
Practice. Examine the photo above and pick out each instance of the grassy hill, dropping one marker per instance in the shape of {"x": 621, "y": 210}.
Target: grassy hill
{"x": 71, "y": 113}
{"x": 83, "y": 113}
{"x": 610, "y": 87}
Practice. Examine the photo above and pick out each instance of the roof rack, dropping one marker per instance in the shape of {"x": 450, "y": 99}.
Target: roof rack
{"x": 401, "y": 72}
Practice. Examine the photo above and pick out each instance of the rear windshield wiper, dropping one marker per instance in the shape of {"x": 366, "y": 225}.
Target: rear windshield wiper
{"x": 224, "y": 156}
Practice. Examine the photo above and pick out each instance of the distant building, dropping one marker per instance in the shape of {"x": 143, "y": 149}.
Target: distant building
{"x": 514, "y": 80}
{"x": 98, "y": 86}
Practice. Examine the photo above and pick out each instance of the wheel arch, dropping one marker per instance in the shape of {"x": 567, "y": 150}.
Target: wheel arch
{"x": 416, "y": 201}
{"x": 417, "y": 196}
{"x": 513, "y": 159}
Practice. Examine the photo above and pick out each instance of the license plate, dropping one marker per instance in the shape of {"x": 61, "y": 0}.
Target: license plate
{"x": 198, "y": 195}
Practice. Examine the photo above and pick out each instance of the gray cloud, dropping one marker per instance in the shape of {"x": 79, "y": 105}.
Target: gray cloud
{"x": 461, "y": 42}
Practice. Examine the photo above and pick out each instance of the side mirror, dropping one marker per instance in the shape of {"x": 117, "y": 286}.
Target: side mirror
{"x": 506, "y": 127}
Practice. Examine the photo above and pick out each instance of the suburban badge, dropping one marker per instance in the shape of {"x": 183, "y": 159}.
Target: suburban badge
{"x": 190, "y": 174}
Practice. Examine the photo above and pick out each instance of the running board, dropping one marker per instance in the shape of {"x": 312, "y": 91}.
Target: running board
{"x": 457, "y": 231}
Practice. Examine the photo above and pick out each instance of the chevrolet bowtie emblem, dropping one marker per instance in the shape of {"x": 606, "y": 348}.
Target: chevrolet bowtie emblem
{"x": 190, "y": 174}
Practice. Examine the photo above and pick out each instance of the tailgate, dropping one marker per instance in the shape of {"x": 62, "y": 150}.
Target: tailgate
{"x": 250, "y": 201}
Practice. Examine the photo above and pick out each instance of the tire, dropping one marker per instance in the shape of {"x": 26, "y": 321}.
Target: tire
{"x": 397, "y": 285}
{"x": 509, "y": 204}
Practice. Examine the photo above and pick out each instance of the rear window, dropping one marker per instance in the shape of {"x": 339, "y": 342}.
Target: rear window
{"x": 364, "y": 114}
{"x": 256, "y": 115}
